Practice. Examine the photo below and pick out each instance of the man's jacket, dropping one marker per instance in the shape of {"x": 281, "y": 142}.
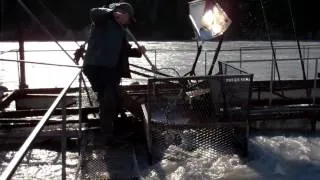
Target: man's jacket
{"x": 108, "y": 45}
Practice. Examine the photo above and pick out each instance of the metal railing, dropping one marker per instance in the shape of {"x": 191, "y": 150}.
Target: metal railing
{"x": 313, "y": 77}
{"x": 9, "y": 171}
{"x": 242, "y": 48}
{"x": 41, "y": 63}
{"x": 315, "y": 82}
{"x": 241, "y": 55}
{"x": 15, "y": 162}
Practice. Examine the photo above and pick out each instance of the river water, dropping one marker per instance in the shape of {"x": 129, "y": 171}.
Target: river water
{"x": 274, "y": 156}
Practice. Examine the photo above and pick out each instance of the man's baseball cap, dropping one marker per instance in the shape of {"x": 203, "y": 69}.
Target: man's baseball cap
{"x": 125, "y": 8}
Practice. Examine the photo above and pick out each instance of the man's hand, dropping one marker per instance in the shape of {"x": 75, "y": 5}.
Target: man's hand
{"x": 142, "y": 49}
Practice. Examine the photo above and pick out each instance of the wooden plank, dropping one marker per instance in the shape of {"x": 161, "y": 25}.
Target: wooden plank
{"x": 44, "y": 134}
{"x": 41, "y": 112}
{"x": 45, "y": 90}
{"x": 41, "y": 101}
{"x": 16, "y": 123}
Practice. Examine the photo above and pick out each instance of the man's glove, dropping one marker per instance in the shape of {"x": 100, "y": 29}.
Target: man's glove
{"x": 79, "y": 54}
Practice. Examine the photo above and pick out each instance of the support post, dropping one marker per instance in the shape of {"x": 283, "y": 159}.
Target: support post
{"x": 63, "y": 139}
{"x": 216, "y": 55}
{"x": 22, "y": 82}
{"x": 315, "y": 82}
{"x": 80, "y": 107}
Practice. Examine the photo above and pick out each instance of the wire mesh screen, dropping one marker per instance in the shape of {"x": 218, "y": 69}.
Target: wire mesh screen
{"x": 225, "y": 68}
{"x": 106, "y": 162}
{"x": 207, "y": 114}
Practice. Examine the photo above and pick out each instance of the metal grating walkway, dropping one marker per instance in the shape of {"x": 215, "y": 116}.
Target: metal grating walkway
{"x": 101, "y": 162}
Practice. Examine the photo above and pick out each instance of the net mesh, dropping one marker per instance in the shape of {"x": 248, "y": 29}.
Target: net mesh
{"x": 228, "y": 69}
{"x": 105, "y": 162}
{"x": 207, "y": 114}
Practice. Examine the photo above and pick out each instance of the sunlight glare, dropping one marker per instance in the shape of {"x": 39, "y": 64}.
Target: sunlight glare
{"x": 213, "y": 20}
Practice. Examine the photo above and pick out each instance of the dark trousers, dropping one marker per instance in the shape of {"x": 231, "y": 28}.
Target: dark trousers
{"x": 105, "y": 82}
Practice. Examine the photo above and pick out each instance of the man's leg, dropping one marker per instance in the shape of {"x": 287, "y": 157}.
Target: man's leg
{"x": 108, "y": 112}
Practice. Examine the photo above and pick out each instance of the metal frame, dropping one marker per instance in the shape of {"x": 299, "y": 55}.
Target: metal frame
{"x": 14, "y": 163}
{"x": 150, "y": 124}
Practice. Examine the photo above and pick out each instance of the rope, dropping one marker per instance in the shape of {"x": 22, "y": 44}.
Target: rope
{"x": 51, "y": 36}
{"x": 43, "y": 27}
{"x": 44, "y": 6}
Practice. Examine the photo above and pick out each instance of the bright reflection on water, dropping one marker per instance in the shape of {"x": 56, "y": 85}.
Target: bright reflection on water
{"x": 41, "y": 164}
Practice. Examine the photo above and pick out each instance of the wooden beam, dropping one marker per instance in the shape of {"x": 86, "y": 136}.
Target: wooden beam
{"x": 41, "y": 112}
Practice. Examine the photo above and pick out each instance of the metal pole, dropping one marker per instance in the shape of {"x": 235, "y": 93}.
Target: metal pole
{"x": 63, "y": 139}
{"x": 315, "y": 82}
{"x": 35, "y": 62}
{"x": 270, "y": 39}
{"x": 48, "y": 33}
{"x": 144, "y": 54}
{"x": 155, "y": 61}
{"x": 216, "y": 55}
{"x": 22, "y": 83}
{"x": 18, "y": 66}
{"x": 308, "y": 63}
{"x": 304, "y": 56}
{"x": 240, "y": 52}
{"x": 56, "y": 20}
{"x": 271, "y": 82}
{"x": 62, "y": 25}
{"x": 298, "y": 42}
{"x": 80, "y": 109}
{"x": 155, "y": 57}
{"x": 43, "y": 28}
{"x": 191, "y": 72}
{"x": 274, "y": 72}
{"x": 205, "y": 62}
{"x": 80, "y": 125}
{"x": 10, "y": 169}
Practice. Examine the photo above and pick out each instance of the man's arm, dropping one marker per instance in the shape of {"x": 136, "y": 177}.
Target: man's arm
{"x": 134, "y": 52}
